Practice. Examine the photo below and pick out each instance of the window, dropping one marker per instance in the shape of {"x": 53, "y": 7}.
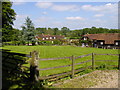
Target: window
{"x": 50, "y": 37}
{"x": 85, "y": 38}
{"x": 47, "y": 38}
{"x": 43, "y": 39}
{"x": 54, "y": 37}
{"x": 116, "y": 43}
{"x": 101, "y": 43}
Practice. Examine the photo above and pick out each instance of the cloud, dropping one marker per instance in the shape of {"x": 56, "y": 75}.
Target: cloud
{"x": 42, "y": 19}
{"x": 107, "y": 8}
{"x": 18, "y": 3}
{"x": 74, "y": 18}
{"x": 21, "y": 16}
{"x": 65, "y": 8}
{"x": 44, "y": 4}
{"x": 44, "y": 13}
{"x": 99, "y": 15}
{"x": 20, "y": 19}
{"x": 55, "y": 7}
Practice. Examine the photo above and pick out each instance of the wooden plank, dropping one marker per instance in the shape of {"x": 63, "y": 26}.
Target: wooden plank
{"x": 45, "y": 59}
{"x": 108, "y": 60}
{"x": 107, "y": 54}
{"x": 34, "y": 73}
{"x": 82, "y": 62}
{"x": 82, "y": 69}
{"x": 72, "y": 68}
{"x": 62, "y": 66}
{"x": 61, "y": 74}
{"x": 82, "y": 56}
{"x": 93, "y": 62}
{"x": 53, "y": 76}
{"x": 53, "y": 67}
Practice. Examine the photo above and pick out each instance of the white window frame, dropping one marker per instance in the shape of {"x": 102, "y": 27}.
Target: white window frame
{"x": 85, "y": 38}
{"x": 43, "y": 39}
{"x": 54, "y": 37}
{"x": 50, "y": 37}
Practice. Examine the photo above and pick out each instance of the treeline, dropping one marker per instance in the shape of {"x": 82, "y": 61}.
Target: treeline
{"x": 74, "y": 33}
{"x": 17, "y": 34}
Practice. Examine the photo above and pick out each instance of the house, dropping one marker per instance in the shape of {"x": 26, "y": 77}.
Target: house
{"x": 49, "y": 37}
{"x": 108, "y": 40}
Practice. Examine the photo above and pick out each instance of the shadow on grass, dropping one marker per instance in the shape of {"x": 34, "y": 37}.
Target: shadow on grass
{"x": 13, "y": 76}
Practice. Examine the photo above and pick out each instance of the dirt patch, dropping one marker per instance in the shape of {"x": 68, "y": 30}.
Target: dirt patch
{"x": 96, "y": 79}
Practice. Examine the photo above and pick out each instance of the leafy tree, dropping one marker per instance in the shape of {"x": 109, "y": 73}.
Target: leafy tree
{"x": 65, "y": 31}
{"x": 8, "y": 16}
{"x": 28, "y": 31}
{"x": 41, "y": 30}
{"x": 55, "y": 30}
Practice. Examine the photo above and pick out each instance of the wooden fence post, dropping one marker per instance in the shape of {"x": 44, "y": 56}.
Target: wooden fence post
{"x": 72, "y": 69}
{"x": 93, "y": 63}
{"x": 34, "y": 72}
{"x": 119, "y": 62}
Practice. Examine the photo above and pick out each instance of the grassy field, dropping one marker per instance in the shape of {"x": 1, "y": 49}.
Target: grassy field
{"x": 63, "y": 51}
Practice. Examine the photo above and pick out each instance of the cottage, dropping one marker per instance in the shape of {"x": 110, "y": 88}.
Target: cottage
{"x": 49, "y": 37}
{"x": 108, "y": 40}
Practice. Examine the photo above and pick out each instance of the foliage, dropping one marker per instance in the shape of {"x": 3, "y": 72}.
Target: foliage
{"x": 54, "y": 42}
{"x": 28, "y": 31}
{"x": 74, "y": 34}
{"x": 8, "y": 16}
{"x": 46, "y": 42}
{"x": 84, "y": 41}
{"x": 57, "y": 42}
{"x": 74, "y": 38}
{"x": 65, "y": 31}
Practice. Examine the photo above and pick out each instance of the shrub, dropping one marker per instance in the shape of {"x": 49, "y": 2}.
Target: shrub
{"x": 57, "y": 42}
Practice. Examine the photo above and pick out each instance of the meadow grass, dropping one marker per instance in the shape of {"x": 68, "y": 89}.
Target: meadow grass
{"x": 64, "y": 51}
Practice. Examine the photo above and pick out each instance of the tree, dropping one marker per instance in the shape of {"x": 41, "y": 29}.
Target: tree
{"x": 65, "y": 31}
{"x": 28, "y": 31}
{"x": 55, "y": 30}
{"x": 40, "y": 30}
{"x": 8, "y": 16}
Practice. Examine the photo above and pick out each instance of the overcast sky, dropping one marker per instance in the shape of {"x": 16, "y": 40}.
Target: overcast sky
{"x": 74, "y": 15}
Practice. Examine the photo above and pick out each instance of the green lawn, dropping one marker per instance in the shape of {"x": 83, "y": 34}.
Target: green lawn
{"x": 63, "y": 51}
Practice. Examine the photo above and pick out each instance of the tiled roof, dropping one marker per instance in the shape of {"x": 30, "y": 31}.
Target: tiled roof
{"x": 108, "y": 37}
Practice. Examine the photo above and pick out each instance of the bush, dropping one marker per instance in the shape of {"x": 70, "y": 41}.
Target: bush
{"x": 74, "y": 38}
{"x": 84, "y": 41}
{"x": 57, "y": 42}
{"x": 45, "y": 42}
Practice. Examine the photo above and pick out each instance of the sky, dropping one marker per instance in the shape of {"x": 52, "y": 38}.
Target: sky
{"x": 74, "y": 15}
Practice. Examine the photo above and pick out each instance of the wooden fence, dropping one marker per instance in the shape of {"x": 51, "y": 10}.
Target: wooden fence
{"x": 34, "y": 68}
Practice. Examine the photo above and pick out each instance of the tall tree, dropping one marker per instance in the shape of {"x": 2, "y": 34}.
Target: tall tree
{"x": 8, "y": 16}
{"x": 28, "y": 31}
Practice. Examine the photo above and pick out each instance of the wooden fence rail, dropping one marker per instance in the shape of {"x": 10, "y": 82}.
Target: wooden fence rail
{"x": 107, "y": 54}
{"x": 82, "y": 56}
{"x": 34, "y": 65}
{"x": 46, "y": 59}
